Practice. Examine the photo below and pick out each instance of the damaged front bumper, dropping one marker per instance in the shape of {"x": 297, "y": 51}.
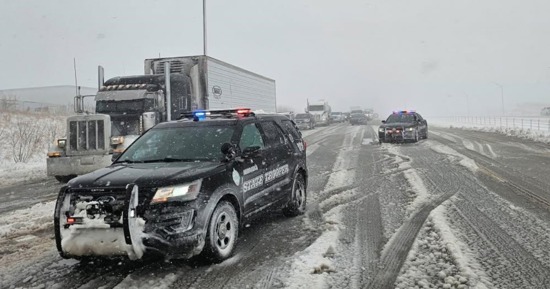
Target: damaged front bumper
{"x": 85, "y": 228}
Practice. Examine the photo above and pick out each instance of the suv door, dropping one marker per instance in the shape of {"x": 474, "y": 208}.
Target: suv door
{"x": 422, "y": 125}
{"x": 252, "y": 168}
{"x": 279, "y": 164}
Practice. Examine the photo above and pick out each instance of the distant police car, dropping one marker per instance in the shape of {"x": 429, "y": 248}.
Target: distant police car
{"x": 185, "y": 187}
{"x": 403, "y": 126}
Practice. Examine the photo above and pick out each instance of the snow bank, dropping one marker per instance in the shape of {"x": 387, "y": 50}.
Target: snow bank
{"x": 311, "y": 267}
{"x": 466, "y": 162}
{"x": 25, "y": 239}
{"x": 438, "y": 259}
{"x": 26, "y": 221}
{"x": 528, "y": 131}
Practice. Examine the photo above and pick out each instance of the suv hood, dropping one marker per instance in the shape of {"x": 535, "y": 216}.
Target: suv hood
{"x": 147, "y": 175}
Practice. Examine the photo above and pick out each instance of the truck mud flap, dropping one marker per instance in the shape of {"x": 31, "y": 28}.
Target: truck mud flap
{"x": 132, "y": 230}
{"x": 59, "y": 219}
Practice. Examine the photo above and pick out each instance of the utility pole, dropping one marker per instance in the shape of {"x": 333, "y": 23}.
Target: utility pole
{"x": 501, "y": 95}
{"x": 204, "y": 26}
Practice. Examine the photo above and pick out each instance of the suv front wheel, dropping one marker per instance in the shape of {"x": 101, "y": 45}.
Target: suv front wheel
{"x": 298, "y": 197}
{"x": 222, "y": 233}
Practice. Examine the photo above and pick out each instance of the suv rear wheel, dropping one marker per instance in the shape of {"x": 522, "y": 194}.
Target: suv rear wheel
{"x": 222, "y": 233}
{"x": 298, "y": 197}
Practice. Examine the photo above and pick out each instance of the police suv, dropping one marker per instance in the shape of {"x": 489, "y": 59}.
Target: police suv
{"x": 403, "y": 126}
{"x": 185, "y": 188}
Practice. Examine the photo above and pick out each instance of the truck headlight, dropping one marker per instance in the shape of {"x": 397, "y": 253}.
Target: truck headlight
{"x": 61, "y": 143}
{"x": 409, "y": 129}
{"x": 184, "y": 192}
{"x": 116, "y": 140}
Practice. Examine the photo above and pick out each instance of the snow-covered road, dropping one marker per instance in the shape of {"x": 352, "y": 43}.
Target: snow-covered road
{"x": 462, "y": 209}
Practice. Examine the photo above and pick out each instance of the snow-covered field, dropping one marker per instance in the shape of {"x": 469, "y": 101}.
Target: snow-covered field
{"x": 24, "y": 142}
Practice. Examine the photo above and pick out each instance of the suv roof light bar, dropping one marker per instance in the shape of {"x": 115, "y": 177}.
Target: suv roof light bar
{"x": 199, "y": 115}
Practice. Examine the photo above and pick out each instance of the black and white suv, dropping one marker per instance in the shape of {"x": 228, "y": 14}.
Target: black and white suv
{"x": 185, "y": 187}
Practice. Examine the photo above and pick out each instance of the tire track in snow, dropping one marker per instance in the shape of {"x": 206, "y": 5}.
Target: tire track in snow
{"x": 396, "y": 251}
{"x": 494, "y": 229}
{"x": 518, "y": 268}
{"x": 530, "y": 187}
{"x": 433, "y": 186}
{"x": 362, "y": 236}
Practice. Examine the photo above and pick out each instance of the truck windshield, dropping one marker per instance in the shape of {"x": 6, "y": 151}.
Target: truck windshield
{"x": 302, "y": 116}
{"x": 316, "y": 107}
{"x": 196, "y": 143}
{"x": 125, "y": 125}
{"x": 134, "y": 105}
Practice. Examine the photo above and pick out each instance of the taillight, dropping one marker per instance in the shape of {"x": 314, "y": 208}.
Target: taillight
{"x": 305, "y": 144}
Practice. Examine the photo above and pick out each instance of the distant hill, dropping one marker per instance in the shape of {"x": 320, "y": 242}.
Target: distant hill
{"x": 52, "y": 95}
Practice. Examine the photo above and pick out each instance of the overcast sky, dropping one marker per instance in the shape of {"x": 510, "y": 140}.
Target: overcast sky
{"x": 436, "y": 56}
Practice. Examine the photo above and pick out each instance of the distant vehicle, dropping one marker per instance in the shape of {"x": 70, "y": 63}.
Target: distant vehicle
{"x": 346, "y": 116}
{"x": 357, "y": 117}
{"x": 337, "y": 116}
{"x": 403, "y": 126}
{"x": 305, "y": 121}
{"x": 321, "y": 110}
{"x": 185, "y": 188}
{"x": 545, "y": 111}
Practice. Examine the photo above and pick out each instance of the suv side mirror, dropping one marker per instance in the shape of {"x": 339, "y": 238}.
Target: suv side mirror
{"x": 229, "y": 151}
{"x": 383, "y": 121}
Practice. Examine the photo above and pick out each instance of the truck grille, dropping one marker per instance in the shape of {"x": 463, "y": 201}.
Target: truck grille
{"x": 87, "y": 135}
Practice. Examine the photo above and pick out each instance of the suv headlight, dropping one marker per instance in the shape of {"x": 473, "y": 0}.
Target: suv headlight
{"x": 184, "y": 192}
{"x": 381, "y": 129}
{"x": 409, "y": 129}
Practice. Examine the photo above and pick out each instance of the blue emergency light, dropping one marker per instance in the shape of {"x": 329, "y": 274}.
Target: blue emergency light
{"x": 199, "y": 115}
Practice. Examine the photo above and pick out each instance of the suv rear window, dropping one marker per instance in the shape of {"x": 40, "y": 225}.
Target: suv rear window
{"x": 291, "y": 128}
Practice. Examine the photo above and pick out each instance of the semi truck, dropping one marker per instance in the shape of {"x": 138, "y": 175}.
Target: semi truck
{"x": 127, "y": 106}
{"x": 321, "y": 111}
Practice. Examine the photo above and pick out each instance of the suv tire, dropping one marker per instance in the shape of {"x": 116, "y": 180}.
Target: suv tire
{"x": 222, "y": 232}
{"x": 298, "y": 197}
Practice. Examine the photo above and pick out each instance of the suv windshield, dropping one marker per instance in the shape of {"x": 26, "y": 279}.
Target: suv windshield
{"x": 400, "y": 117}
{"x": 194, "y": 143}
